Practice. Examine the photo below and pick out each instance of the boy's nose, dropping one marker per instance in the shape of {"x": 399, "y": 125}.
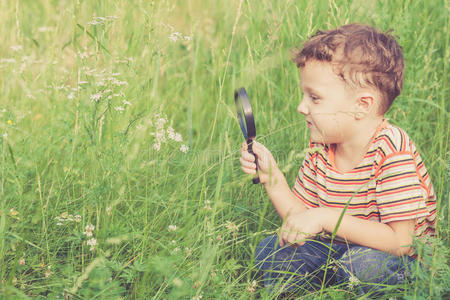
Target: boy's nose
{"x": 302, "y": 108}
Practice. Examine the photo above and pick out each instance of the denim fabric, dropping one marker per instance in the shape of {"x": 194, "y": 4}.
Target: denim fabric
{"x": 290, "y": 269}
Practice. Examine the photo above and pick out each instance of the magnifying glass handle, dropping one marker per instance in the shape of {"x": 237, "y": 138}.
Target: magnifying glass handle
{"x": 250, "y": 150}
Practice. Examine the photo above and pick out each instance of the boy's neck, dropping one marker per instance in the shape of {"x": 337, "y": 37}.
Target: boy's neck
{"x": 349, "y": 154}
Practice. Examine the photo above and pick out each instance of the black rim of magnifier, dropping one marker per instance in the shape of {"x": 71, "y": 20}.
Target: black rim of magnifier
{"x": 241, "y": 99}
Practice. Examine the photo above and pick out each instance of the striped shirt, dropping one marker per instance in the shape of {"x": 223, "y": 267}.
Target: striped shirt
{"x": 391, "y": 182}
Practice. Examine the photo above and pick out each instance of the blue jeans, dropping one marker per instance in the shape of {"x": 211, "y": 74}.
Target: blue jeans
{"x": 289, "y": 269}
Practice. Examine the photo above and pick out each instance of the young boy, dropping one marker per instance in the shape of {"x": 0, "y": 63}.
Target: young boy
{"x": 349, "y": 76}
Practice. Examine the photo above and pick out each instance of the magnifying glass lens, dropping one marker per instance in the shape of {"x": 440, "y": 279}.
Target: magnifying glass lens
{"x": 242, "y": 122}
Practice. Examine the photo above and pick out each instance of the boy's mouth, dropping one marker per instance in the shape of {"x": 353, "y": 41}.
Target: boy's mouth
{"x": 309, "y": 124}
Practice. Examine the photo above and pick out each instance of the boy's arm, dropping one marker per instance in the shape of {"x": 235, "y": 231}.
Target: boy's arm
{"x": 279, "y": 192}
{"x": 393, "y": 237}
{"x": 281, "y": 196}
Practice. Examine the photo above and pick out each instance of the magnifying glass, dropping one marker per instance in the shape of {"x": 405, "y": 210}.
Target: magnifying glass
{"x": 246, "y": 121}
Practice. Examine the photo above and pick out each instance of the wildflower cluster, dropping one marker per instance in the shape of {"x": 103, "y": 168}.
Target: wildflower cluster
{"x": 67, "y": 218}
{"x": 207, "y": 206}
{"x": 89, "y": 233}
{"x": 48, "y": 271}
{"x": 19, "y": 64}
{"x": 108, "y": 87}
{"x": 232, "y": 228}
{"x": 197, "y": 297}
{"x": 251, "y": 287}
{"x": 172, "y": 228}
{"x": 177, "y": 36}
{"x": 163, "y": 133}
{"x": 13, "y": 213}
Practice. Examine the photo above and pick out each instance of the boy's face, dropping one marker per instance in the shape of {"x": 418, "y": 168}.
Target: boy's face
{"x": 328, "y": 103}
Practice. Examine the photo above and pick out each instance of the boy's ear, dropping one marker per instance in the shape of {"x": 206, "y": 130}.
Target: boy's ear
{"x": 366, "y": 103}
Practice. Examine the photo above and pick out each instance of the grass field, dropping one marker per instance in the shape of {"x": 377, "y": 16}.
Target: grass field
{"x": 119, "y": 152}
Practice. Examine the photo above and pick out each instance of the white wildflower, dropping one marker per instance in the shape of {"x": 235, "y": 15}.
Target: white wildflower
{"x": 96, "y": 97}
{"x": 77, "y": 218}
{"x": 30, "y": 95}
{"x": 108, "y": 210}
{"x": 184, "y": 148}
{"x": 198, "y": 297}
{"x": 172, "y": 227}
{"x": 5, "y": 135}
{"x": 171, "y": 133}
{"x": 94, "y": 22}
{"x": 117, "y": 82}
{"x": 160, "y": 135}
{"x": 88, "y": 71}
{"x": 207, "y": 206}
{"x": 157, "y": 146}
{"x": 177, "y": 137}
{"x": 22, "y": 261}
{"x": 92, "y": 242}
{"x": 82, "y": 82}
{"x": 13, "y": 212}
{"x": 125, "y": 102}
{"x": 48, "y": 272}
{"x": 175, "y": 36}
{"x": 83, "y": 55}
{"x": 88, "y": 230}
{"x": 119, "y": 108}
{"x": 59, "y": 224}
{"x": 16, "y": 48}
{"x": 71, "y": 96}
{"x": 160, "y": 123}
{"x": 353, "y": 281}
{"x": 251, "y": 288}
{"x": 231, "y": 226}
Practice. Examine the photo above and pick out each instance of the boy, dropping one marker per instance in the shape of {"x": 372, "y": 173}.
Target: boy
{"x": 349, "y": 76}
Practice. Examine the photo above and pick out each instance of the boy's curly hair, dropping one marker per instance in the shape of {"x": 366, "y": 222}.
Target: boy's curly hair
{"x": 360, "y": 55}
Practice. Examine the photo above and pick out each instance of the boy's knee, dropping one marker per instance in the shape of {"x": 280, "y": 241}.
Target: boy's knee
{"x": 367, "y": 265}
{"x": 266, "y": 248}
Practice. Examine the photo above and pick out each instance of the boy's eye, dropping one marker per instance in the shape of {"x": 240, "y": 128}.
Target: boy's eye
{"x": 314, "y": 97}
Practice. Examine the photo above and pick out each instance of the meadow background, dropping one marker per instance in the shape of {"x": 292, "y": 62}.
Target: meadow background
{"x": 119, "y": 143}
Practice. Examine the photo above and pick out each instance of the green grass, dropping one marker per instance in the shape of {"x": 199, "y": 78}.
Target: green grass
{"x": 76, "y": 156}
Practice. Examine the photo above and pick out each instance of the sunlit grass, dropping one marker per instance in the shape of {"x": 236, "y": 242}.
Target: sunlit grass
{"x": 85, "y": 85}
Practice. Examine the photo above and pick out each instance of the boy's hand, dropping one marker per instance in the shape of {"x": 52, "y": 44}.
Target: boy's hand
{"x": 300, "y": 226}
{"x": 267, "y": 167}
